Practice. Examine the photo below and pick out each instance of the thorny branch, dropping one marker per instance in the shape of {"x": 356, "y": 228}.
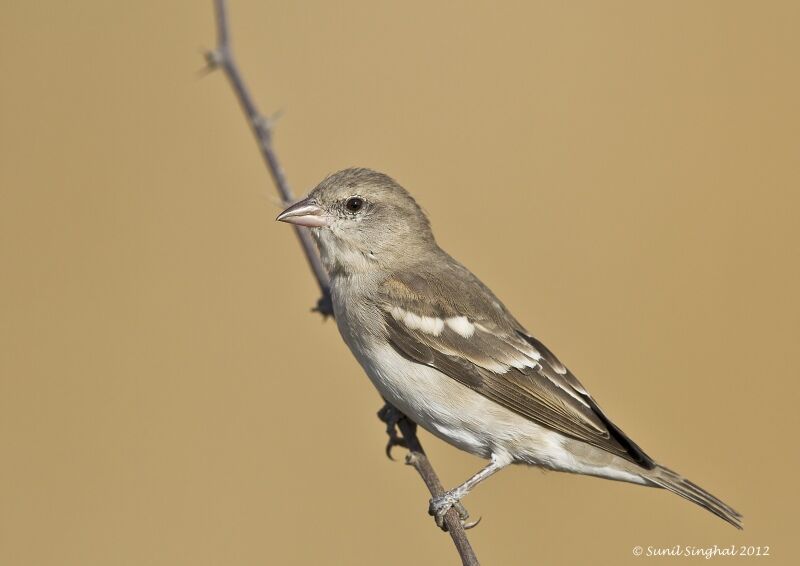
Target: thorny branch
{"x": 222, "y": 58}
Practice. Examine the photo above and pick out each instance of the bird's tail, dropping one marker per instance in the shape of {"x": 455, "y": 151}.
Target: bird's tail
{"x": 669, "y": 480}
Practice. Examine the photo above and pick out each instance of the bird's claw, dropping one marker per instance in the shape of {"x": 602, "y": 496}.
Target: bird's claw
{"x": 439, "y": 506}
{"x": 391, "y": 416}
{"x": 394, "y": 440}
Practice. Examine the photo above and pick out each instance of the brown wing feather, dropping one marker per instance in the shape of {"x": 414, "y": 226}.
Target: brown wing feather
{"x": 498, "y": 360}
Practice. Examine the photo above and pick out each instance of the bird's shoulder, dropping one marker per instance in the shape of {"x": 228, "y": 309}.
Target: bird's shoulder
{"x": 443, "y": 287}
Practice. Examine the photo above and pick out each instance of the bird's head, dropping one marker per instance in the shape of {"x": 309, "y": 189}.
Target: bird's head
{"x": 362, "y": 220}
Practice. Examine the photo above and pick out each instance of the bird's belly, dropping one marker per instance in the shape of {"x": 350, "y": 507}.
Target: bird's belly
{"x": 431, "y": 399}
{"x": 452, "y": 411}
{"x": 475, "y": 424}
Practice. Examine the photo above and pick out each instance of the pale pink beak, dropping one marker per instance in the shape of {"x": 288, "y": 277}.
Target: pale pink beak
{"x": 304, "y": 213}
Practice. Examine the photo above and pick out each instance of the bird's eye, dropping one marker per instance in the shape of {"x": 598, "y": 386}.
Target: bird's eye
{"x": 354, "y": 204}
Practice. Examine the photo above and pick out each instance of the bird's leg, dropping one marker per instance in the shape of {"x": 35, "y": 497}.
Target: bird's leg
{"x": 390, "y": 415}
{"x": 440, "y": 505}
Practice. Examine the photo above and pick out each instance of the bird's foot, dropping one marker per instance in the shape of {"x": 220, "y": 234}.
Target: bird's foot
{"x": 391, "y": 416}
{"x": 439, "y": 506}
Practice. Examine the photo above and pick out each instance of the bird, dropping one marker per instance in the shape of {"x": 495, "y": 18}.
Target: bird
{"x": 447, "y": 353}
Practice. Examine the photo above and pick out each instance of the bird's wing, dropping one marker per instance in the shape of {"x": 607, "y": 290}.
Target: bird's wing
{"x": 449, "y": 320}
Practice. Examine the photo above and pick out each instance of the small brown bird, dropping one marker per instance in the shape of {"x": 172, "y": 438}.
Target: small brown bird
{"x": 444, "y": 350}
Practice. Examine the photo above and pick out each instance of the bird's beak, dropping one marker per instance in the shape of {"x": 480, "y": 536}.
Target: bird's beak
{"x": 304, "y": 213}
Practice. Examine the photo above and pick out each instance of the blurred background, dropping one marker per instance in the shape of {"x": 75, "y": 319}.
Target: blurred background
{"x": 624, "y": 175}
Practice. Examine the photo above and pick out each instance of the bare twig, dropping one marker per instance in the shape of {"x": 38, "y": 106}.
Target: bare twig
{"x": 222, "y": 58}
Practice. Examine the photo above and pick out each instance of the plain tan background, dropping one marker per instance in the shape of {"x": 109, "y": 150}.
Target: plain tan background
{"x": 623, "y": 174}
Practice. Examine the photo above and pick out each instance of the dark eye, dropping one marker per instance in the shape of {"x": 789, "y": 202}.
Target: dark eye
{"x": 354, "y": 204}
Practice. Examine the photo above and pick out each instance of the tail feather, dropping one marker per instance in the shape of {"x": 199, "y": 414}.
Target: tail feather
{"x": 669, "y": 480}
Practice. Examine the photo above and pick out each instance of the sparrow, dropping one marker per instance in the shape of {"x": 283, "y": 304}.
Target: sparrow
{"x": 440, "y": 347}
